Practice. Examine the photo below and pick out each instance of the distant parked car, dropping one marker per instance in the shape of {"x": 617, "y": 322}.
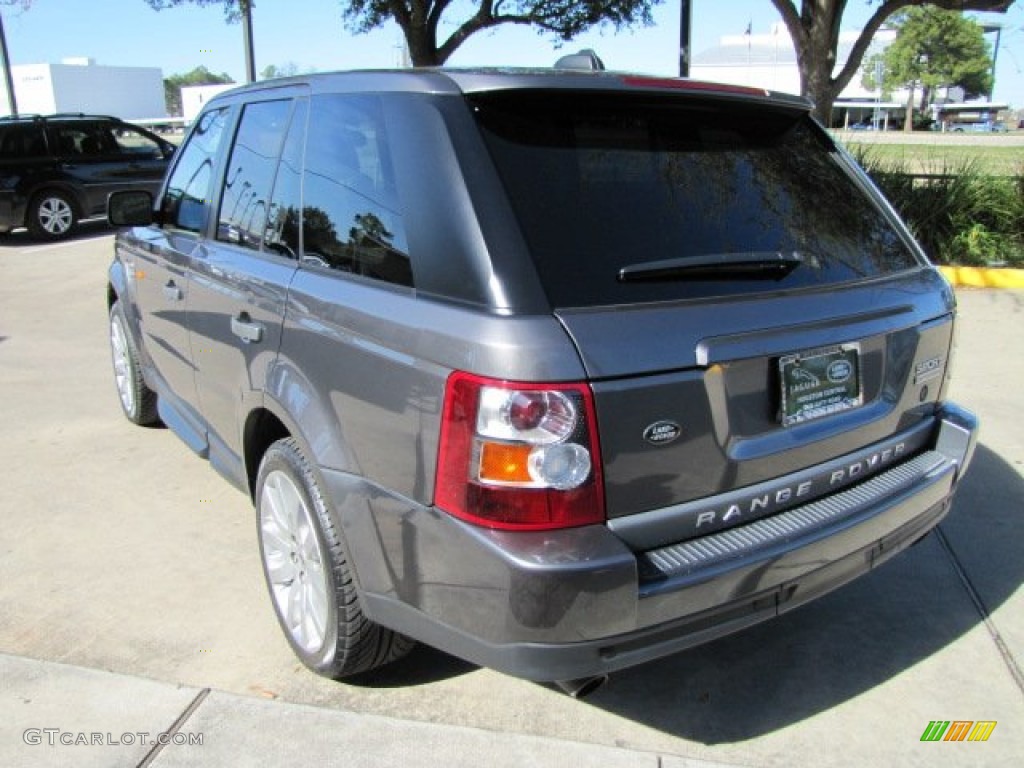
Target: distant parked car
{"x": 988, "y": 126}
{"x": 59, "y": 169}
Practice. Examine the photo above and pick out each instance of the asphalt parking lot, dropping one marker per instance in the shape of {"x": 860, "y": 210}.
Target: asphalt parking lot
{"x": 121, "y": 551}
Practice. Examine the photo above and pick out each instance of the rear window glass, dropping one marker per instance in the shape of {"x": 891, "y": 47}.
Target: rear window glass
{"x": 603, "y": 184}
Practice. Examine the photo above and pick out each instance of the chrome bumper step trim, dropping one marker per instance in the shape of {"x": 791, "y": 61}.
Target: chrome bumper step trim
{"x": 743, "y": 541}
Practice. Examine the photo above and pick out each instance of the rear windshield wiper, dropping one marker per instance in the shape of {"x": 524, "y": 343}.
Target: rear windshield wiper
{"x": 752, "y": 265}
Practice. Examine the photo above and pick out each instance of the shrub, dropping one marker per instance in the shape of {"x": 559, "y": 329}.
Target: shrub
{"x": 959, "y": 214}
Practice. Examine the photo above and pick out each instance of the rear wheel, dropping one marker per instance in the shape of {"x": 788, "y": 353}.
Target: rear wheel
{"x": 308, "y": 574}
{"x": 51, "y": 215}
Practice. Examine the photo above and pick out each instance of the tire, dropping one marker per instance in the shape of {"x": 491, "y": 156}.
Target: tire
{"x": 138, "y": 402}
{"x": 308, "y": 574}
{"x": 51, "y": 215}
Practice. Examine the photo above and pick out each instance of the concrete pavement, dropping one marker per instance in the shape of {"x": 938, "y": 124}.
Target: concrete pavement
{"x": 132, "y": 564}
{"x": 55, "y": 714}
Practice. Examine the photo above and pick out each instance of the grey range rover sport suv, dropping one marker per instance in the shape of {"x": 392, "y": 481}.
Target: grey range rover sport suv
{"x": 559, "y": 372}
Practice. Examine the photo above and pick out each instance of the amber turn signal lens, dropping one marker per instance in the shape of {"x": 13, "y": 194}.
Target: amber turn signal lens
{"x": 505, "y": 464}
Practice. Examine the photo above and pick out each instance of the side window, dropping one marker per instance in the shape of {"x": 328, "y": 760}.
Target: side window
{"x": 71, "y": 141}
{"x": 250, "y": 174}
{"x": 19, "y": 142}
{"x": 188, "y": 188}
{"x": 86, "y": 140}
{"x": 129, "y": 141}
{"x": 282, "y": 231}
{"x": 351, "y": 218}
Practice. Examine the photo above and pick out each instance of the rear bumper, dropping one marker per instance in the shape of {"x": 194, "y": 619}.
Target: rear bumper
{"x": 567, "y": 604}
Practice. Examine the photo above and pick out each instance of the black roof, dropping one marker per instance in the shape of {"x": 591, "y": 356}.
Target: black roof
{"x": 58, "y": 116}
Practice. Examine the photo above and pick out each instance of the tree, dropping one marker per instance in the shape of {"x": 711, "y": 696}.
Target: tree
{"x": 815, "y": 32}
{"x": 420, "y": 20}
{"x": 198, "y": 76}
{"x": 934, "y": 49}
{"x": 271, "y": 71}
{"x": 232, "y": 9}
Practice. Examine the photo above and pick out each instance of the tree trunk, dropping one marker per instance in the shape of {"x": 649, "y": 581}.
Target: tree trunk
{"x": 422, "y": 47}
{"x": 908, "y": 120}
{"x": 820, "y": 89}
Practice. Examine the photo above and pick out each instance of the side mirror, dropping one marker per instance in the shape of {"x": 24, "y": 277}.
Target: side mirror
{"x": 130, "y": 208}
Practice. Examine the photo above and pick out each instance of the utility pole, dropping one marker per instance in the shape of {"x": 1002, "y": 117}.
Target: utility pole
{"x": 245, "y": 6}
{"x": 685, "y": 33}
{"x": 12, "y": 100}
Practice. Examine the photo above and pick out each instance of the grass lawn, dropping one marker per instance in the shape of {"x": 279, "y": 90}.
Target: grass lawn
{"x": 937, "y": 158}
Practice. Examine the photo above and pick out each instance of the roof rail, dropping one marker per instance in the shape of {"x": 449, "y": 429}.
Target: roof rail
{"x": 58, "y": 116}
{"x": 82, "y": 115}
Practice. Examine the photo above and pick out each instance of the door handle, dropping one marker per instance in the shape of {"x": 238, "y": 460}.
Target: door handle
{"x": 172, "y": 291}
{"x": 244, "y": 328}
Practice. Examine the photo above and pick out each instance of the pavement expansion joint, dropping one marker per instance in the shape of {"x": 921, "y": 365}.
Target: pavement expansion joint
{"x": 153, "y": 753}
{"x": 1004, "y": 650}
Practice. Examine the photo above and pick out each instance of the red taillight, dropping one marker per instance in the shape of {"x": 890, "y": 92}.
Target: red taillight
{"x": 519, "y": 456}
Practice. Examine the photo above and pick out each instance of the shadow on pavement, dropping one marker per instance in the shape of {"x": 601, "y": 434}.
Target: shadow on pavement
{"x": 423, "y": 666}
{"x": 86, "y": 230}
{"x": 819, "y": 656}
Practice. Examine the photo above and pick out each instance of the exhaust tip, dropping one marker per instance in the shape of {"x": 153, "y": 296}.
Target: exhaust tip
{"x": 581, "y": 687}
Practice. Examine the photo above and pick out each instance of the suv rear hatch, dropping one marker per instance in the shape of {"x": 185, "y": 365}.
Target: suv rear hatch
{"x": 744, "y": 302}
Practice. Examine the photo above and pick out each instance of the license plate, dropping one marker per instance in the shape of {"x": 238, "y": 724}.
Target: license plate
{"x": 819, "y": 383}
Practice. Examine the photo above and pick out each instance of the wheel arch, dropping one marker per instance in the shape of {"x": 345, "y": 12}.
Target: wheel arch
{"x": 262, "y": 429}
{"x": 43, "y": 187}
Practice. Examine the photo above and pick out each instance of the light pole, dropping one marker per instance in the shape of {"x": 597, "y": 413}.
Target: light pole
{"x": 245, "y": 7}
{"x": 685, "y": 33}
{"x": 12, "y": 100}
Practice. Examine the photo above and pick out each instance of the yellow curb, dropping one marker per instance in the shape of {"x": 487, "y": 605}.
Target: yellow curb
{"x": 983, "y": 277}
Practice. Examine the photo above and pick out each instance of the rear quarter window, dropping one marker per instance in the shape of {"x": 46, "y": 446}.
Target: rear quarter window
{"x": 20, "y": 142}
{"x": 602, "y": 183}
{"x": 350, "y": 214}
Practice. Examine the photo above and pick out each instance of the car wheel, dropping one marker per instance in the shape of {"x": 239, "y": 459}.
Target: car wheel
{"x": 137, "y": 400}
{"x": 308, "y": 574}
{"x": 51, "y": 215}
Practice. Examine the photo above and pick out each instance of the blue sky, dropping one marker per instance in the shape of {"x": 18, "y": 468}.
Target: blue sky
{"x": 310, "y": 34}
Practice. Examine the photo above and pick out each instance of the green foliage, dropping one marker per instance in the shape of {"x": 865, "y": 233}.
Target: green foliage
{"x": 198, "y": 76}
{"x": 960, "y": 214}
{"x": 288, "y": 69}
{"x": 231, "y": 7}
{"x": 935, "y": 49}
{"x": 420, "y": 19}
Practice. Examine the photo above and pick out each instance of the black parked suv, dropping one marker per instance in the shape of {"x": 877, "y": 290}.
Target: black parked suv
{"x": 559, "y": 372}
{"x": 57, "y": 170}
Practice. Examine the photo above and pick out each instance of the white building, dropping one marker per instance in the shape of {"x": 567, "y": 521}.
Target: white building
{"x": 769, "y": 61}
{"x": 194, "y": 98}
{"x": 81, "y": 85}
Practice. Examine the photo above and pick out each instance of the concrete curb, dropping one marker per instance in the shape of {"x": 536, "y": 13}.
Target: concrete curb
{"x": 983, "y": 277}
{"x": 55, "y": 714}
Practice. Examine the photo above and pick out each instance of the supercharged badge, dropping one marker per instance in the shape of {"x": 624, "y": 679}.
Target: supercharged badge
{"x": 662, "y": 432}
